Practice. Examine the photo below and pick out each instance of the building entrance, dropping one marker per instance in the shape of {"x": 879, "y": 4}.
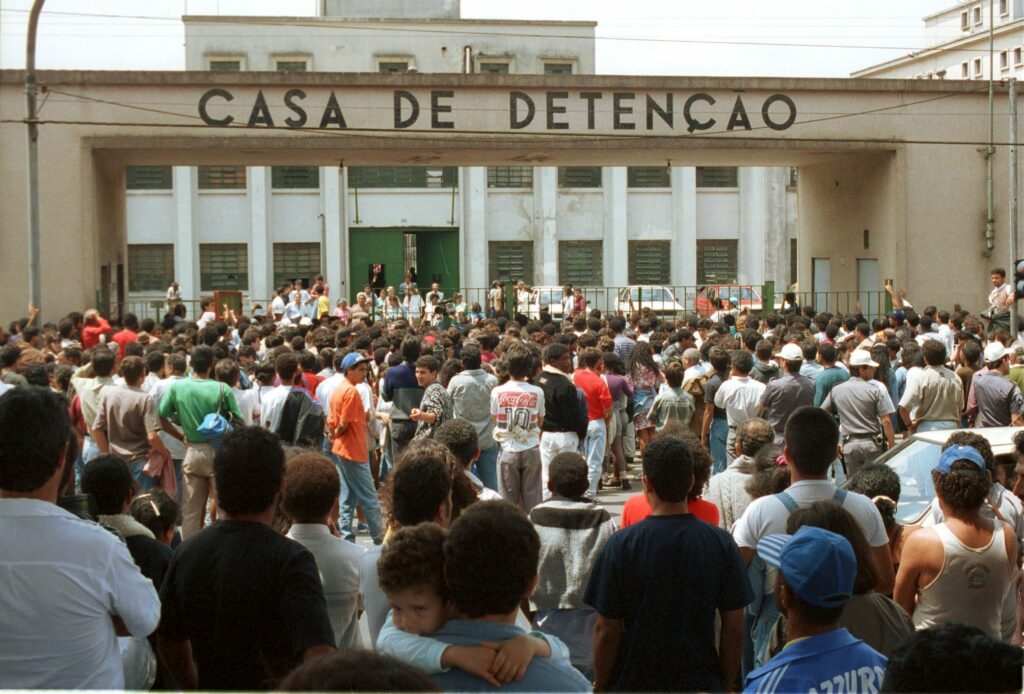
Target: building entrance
{"x": 382, "y": 257}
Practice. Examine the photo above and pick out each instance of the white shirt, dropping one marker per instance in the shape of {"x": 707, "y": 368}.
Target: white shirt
{"x": 326, "y": 389}
{"x": 175, "y": 447}
{"x": 739, "y": 397}
{"x": 338, "y": 562}
{"x": 768, "y": 515}
{"x": 249, "y": 403}
{"x": 375, "y": 602}
{"x": 63, "y": 580}
{"x": 272, "y": 405}
{"x": 277, "y": 306}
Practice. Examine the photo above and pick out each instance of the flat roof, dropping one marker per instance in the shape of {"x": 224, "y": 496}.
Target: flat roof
{"x": 446, "y": 79}
{"x": 328, "y": 21}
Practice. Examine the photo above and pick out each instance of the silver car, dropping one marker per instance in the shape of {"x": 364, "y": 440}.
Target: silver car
{"x": 915, "y": 456}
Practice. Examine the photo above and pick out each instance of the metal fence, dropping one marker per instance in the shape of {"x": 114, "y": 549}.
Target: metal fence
{"x": 670, "y": 302}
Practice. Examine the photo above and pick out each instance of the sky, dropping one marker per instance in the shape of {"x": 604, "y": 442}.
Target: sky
{"x": 642, "y": 37}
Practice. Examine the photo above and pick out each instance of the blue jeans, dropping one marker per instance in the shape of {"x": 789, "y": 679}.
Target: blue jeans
{"x": 716, "y": 439}
{"x": 487, "y": 467}
{"x": 357, "y": 489}
{"x": 936, "y": 426}
{"x": 146, "y": 483}
{"x": 597, "y": 436}
{"x": 762, "y": 627}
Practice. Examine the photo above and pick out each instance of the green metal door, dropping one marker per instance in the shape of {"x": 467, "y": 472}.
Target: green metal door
{"x": 437, "y": 254}
{"x": 369, "y": 246}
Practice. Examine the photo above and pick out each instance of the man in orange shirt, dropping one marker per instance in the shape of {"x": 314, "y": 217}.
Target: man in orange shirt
{"x": 346, "y": 427}
{"x": 599, "y": 410}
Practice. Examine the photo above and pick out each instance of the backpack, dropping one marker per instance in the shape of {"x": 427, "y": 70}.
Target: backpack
{"x": 696, "y": 387}
{"x": 302, "y": 420}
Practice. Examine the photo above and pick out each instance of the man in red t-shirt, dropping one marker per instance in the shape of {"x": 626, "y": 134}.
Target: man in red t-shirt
{"x": 130, "y": 332}
{"x": 346, "y": 428}
{"x": 94, "y": 325}
{"x": 599, "y": 410}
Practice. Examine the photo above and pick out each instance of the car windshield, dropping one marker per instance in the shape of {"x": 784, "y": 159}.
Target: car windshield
{"x": 646, "y": 294}
{"x": 914, "y": 463}
{"x": 546, "y": 297}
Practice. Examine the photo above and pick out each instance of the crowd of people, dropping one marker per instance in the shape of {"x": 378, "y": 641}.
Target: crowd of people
{"x": 181, "y": 502}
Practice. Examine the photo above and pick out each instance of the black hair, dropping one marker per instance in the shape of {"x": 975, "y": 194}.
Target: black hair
{"x": 202, "y": 359}
{"x": 156, "y": 510}
{"x": 491, "y": 557}
{"x": 881, "y": 484}
{"x": 410, "y": 348}
{"x": 471, "y": 357}
{"x": 555, "y": 351}
{"x": 286, "y": 364}
{"x": 355, "y": 670}
{"x": 568, "y": 475}
{"x": 668, "y": 465}
{"x": 953, "y": 658}
{"x": 420, "y": 483}
{"x": 812, "y": 436}
{"x": 249, "y": 467}
{"x": 109, "y": 481}
{"x": 34, "y": 426}
{"x": 460, "y": 436}
{"x": 519, "y": 360}
{"x": 742, "y": 361}
{"x": 102, "y": 361}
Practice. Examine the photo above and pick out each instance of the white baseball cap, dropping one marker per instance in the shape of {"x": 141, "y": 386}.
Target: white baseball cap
{"x": 862, "y": 357}
{"x": 994, "y": 352}
{"x": 791, "y": 352}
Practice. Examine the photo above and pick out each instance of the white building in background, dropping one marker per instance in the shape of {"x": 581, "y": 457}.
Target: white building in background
{"x": 251, "y": 228}
{"x": 958, "y": 45}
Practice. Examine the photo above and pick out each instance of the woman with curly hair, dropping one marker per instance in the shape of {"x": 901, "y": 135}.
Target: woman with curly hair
{"x": 645, "y": 377}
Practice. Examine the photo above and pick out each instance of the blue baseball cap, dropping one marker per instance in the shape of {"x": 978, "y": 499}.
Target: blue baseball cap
{"x": 353, "y": 359}
{"x": 817, "y": 564}
{"x": 955, "y": 453}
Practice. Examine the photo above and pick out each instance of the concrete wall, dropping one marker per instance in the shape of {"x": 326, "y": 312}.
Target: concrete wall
{"x": 409, "y": 9}
{"x": 333, "y": 45}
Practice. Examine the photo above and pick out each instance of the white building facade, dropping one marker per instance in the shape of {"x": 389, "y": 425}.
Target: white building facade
{"x": 252, "y": 228}
{"x": 958, "y": 45}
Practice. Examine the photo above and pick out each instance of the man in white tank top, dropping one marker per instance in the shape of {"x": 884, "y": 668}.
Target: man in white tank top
{"x": 959, "y": 570}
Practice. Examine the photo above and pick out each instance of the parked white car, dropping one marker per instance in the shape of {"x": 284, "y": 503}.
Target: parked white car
{"x": 660, "y": 300}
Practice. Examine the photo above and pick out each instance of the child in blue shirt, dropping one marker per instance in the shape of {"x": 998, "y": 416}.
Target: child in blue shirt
{"x": 411, "y": 573}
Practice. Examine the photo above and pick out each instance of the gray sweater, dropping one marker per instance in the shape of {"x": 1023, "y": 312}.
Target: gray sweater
{"x": 572, "y": 535}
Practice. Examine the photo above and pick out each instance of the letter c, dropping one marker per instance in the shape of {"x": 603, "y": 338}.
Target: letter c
{"x": 205, "y": 98}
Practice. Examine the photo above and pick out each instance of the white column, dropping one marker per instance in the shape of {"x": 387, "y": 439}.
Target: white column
{"x": 186, "y": 250}
{"x": 684, "y": 226}
{"x": 332, "y": 208}
{"x": 473, "y": 260}
{"x": 545, "y": 215}
{"x": 261, "y": 272}
{"x": 616, "y": 244}
{"x": 753, "y": 207}
{"x": 776, "y": 236}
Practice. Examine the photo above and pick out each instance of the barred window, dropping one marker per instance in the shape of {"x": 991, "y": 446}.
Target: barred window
{"x": 650, "y": 262}
{"x": 559, "y": 68}
{"x": 402, "y": 177}
{"x": 509, "y": 176}
{"x": 150, "y": 266}
{"x": 223, "y": 266}
{"x": 494, "y": 68}
{"x": 717, "y": 261}
{"x": 297, "y": 65}
{"x": 717, "y": 177}
{"x": 226, "y": 65}
{"x": 148, "y": 178}
{"x": 580, "y": 263}
{"x": 292, "y": 177}
{"x": 510, "y": 261}
{"x": 648, "y": 177}
{"x": 295, "y": 261}
{"x": 221, "y": 178}
{"x": 579, "y": 177}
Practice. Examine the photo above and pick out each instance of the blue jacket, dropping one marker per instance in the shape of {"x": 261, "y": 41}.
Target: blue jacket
{"x": 835, "y": 661}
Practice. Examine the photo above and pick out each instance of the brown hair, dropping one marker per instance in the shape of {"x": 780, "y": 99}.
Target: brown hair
{"x": 413, "y": 558}
{"x": 311, "y": 486}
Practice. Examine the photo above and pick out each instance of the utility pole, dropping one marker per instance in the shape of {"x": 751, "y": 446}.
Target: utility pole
{"x": 1013, "y": 196}
{"x": 34, "y": 265}
{"x": 990, "y": 152}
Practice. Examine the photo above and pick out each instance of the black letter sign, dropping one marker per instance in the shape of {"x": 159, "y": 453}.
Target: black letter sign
{"x": 205, "y": 99}
{"x": 554, "y": 110}
{"x": 739, "y": 116}
{"x": 513, "y": 110}
{"x": 332, "y": 113}
{"x": 437, "y": 108}
{"x": 618, "y": 110}
{"x": 260, "y": 114}
{"x": 405, "y": 96}
{"x": 691, "y": 122}
{"x": 789, "y": 104}
{"x": 289, "y": 100}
